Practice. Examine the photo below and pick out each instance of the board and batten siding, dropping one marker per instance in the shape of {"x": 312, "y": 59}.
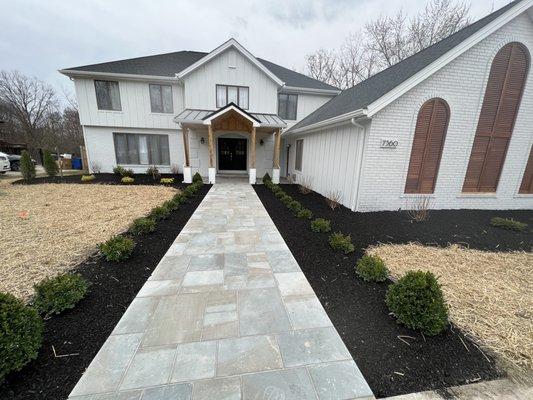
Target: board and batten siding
{"x": 332, "y": 159}
{"x": 307, "y": 103}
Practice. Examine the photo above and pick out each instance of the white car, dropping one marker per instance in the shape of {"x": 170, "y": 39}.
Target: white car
{"x": 4, "y": 163}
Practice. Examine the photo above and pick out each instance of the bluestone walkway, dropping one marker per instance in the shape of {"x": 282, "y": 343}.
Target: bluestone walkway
{"x": 227, "y": 314}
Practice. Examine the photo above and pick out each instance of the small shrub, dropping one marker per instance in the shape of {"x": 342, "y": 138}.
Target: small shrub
{"x": 372, "y": 269}
{"x": 118, "y": 248}
{"x": 417, "y": 302}
{"x": 275, "y": 189}
{"x": 418, "y": 208}
{"x": 286, "y": 200}
{"x": 128, "y": 173}
{"x": 304, "y": 213}
{"x": 127, "y": 180}
{"x": 118, "y": 170}
{"x": 160, "y": 212}
{"x": 333, "y": 198}
{"x": 167, "y": 181}
{"x": 54, "y": 295}
{"x": 321, "y": 225}
{"x": 294, "y": 206}
{"x": 20, "y": 334}
{"x": 509, "y": 224}
{"x": 87, "y": 178}
{"x": 170, "y": 205}
{"x": 49, "y": 164}
{"x": 142, "y": 226}
{"x": 153, "y": 172}
{"x": 267, "y": 178}
{"x": 179, "y": 198}
{"x": 197, "y": 178}
{"x": 27, "y": 167}
{"x": 341, "y": 242}
{"x": 280, "y": 194}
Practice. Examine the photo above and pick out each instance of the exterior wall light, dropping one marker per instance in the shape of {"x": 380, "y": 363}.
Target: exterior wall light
{"x": 202, "y": 140}
{"x": 261, "y": 142}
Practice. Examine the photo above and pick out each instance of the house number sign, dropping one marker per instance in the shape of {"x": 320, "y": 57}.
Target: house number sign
{"x": 389, "y": 143}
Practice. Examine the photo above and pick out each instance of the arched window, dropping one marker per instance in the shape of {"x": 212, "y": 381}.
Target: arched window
{"x": 498, "y": 115}
{"x": 430, "y": 134}
{"x": 526, "y": 187}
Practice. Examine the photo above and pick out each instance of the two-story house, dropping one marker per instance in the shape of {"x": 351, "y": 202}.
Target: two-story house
{"x": 217, "y": 112}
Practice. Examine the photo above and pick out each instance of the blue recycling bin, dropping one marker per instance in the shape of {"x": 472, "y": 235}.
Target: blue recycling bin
{"x": 76, "y": 163}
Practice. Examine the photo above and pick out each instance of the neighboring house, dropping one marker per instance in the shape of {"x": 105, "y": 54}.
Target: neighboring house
{"x": 453, "y": 123}
{"x": 217, "y": 112}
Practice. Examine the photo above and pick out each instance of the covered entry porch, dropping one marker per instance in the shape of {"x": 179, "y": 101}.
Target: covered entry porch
{"x": 230, "y": 141}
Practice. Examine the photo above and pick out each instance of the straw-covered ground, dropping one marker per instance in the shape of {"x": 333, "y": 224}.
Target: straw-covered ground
{"x": 46, "y": 229}
{"x": 489, "y": 294}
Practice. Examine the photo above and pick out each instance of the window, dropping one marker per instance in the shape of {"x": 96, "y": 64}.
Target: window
{"x": 299, "y": 155}
{"x": 287, "y": 106}
{"x": 428, "y": 142}
{"x": 107, "y": 95}
{"x": 496, "y": 122}
{"x": 161, "y": 98}
{"x": 136, "y": 149}
{"x": 232, "y": 94}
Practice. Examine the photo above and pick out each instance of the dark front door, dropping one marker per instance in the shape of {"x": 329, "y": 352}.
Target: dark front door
{"x": 231, "y": 154}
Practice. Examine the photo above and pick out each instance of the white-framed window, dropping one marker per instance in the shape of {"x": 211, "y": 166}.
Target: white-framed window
{"x": 299, "y": 155}
{"x": 287, "y": 106}
{"x": 139, "y": 149}
{"x": 233, "y": 94}
{"x": 107, "y": 95}
{"x": 161, "y": 98}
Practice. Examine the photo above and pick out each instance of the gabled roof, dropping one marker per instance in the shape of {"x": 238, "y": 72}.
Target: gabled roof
{"x": 180, "y": 63}
{"x": 371, "y": 95}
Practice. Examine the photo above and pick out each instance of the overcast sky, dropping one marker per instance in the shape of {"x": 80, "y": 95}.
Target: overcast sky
{"x": 38, "y": 37}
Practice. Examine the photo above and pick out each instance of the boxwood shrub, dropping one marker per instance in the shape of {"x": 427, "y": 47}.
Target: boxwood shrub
{"x": 54, "y": 295}
{"x": 304, "y": 213}
{"x": 286, "y": 200}
{"x": 142, "y": 226}
{"x": 267, "y": 179}
{"x": 21, "y": 330}
{"x": 279, "y": 194}
{"x": 294, "y": 206}
{"x": 372, "y": 269}
{"x": 341, "y": 242}
{"x": 118, "y": 170}
{"x": 118, "y": 248}
{"x": 321, "y": 225}
{"x": 509, "y": 224}
{"x": 159, "y": 212}
{"x": 197, "y": 178}
{"x": 417, "y": 302}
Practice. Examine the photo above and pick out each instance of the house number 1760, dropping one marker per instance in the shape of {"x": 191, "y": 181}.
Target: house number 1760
{"x": 389, "y": 144}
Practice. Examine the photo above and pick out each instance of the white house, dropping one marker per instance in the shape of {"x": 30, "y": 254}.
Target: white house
{"x": 452, "y": 125}
{"x": 217, "y": 112}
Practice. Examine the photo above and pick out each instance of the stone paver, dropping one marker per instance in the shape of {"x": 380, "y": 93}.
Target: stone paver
{"x": 227, "y": 314}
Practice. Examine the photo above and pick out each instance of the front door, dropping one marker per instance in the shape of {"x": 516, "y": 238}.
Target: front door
{"x": 231, "y": 154}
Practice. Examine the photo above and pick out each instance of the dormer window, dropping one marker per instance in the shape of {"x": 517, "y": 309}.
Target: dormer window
{"x": 232, "y": 94}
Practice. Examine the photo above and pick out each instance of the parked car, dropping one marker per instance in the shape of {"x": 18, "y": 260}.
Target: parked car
{"x": 4, "y": 163}
{"x": 14, "y": 161}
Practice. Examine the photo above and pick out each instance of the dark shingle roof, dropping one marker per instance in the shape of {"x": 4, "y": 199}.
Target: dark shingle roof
{"x": 370, "y": 90}
{"x": 171, "y": 63}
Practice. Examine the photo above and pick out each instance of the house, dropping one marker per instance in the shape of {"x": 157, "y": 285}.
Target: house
{"x": 452, "y": 125}
{"x": 217, "y": 112}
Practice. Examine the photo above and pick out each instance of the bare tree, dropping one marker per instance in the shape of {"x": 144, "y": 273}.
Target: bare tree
{"x": 355, "y": 63}
{"x": 322, "y": 65}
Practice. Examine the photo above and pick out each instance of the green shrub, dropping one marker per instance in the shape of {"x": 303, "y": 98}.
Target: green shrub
{"x": 294, "y": 206}
{"x": 21, "y": 330}
{"x": 54, "y": 295}
{"x": 153, "y": 172}
{"x": 179, "y": 198}
{"x": 197, "y": 178}
{"x": 304, "y": 213}
{"x": 118, "y": 248}
{"x": 142, "y": 225}
{"x": 127, "y": 180}
{"x": 87, "y": 178}
{"x": 276, "y": 189}
{"x": 170, "y": 205}
{"x": 509, "y": 224}
{"x": 286, "y": 200}
{"x": 118, "y": 170}
{"x": 321, "y": 225}
{"x": 417, "y": 302}
{"x": 341, "y": 242}
{"x": 160, "y": 212}
{"x": 49, "y": 164}
{"x": 128, "y": 173}
{"x": 27, "y": 167}
{"x": 267, "y": 179}
{"x": 280, "y": 194}
{"x": 372, "y": 269}
{"x": 167, "y": 181}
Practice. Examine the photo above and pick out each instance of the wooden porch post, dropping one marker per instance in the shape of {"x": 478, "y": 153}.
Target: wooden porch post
{"x": 211, "y": 149}
{"x": 277, "y": 144}
{"x": 253, "y": 147}
{"x": 185, "y": 132}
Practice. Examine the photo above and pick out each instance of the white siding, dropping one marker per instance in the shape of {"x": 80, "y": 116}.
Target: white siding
{"x": 307, "y": 103}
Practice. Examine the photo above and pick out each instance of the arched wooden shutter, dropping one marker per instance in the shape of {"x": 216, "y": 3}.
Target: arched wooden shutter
{"x": 496, "y": 121}
{"x": 527, "y": 181}
{"x": 428, "y": 142}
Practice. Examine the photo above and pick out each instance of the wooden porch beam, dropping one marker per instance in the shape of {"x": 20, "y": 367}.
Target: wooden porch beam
{"x": 185, "y": 132}
{"x": 211, "y": 149}
{"x": 253, "y": 147}
{"x": 277, "y": 145}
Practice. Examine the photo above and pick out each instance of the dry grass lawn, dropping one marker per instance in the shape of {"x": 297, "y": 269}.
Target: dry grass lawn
{"x": 490, "y": 295}
{"x": 46, "y": 229}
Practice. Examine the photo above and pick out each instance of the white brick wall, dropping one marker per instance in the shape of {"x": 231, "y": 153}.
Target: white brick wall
{"x": 462, "y": 84}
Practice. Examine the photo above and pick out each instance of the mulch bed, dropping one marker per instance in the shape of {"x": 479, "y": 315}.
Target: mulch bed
{"x": 104, "y": 178}
{"x": 358, "y": 310}
{"x": 78, "y": 334}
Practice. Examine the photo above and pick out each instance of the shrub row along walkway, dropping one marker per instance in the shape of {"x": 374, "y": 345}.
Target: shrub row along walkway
{"x": 228, "y": 314}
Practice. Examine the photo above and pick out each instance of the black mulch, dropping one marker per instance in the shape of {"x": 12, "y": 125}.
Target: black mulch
{"x": 79, "y": 333}
{"x": 104, "y": 178}
{"x": 357, "y": 309}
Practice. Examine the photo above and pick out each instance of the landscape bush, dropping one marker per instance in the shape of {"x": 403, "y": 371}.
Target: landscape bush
{"x": 509, "y": 224}
{"x": 49, "y": 164}
{"x": 197, "y": 178}
{"x": 276, "y": 189}
{"x": 87, "y": 178}
{"x": 159, "y": 212}
{"x": 179, "y": 198}
{"x": 127, "y": 180}
{"x": 27, "y": 167}
{"x": 304, "y": 213}
{"x": 142, "y": 225}
{"x": 21, "y": 330}
{"x": 171, "y": 205}
{"x": 167, "y": 181}
{"x": 341, "y": 242}
{"x": 118, "y": 248}
{"x": 372, "y": 269}
{"x": 118, "y": 170}
{"x": 128, "y": 173}
{"x": 418, "y": 303}
{"x": 54, "y": 295}
{"x": 321, "y": 225}
{"x": 267, "y": 178}
{"x": 153, "y": 171}
{"x": 286, "y": 200}
{"x": 294, "y": 206}
{"x": 280, "y": 193}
